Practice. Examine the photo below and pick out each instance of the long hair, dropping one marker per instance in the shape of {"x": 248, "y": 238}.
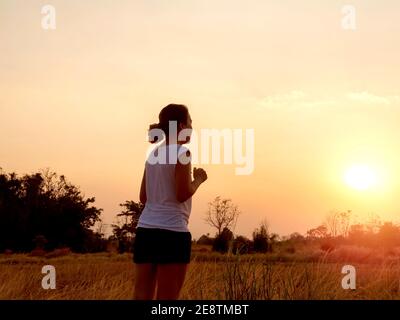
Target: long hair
{"x": 172, "y": 112}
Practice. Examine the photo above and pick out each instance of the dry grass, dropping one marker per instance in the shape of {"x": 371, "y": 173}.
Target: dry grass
{"x": 94, "y": 276}
{"x": 305, "y": 275}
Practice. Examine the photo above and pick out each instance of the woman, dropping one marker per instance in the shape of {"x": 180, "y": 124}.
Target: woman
{"x": 162, "y": 246}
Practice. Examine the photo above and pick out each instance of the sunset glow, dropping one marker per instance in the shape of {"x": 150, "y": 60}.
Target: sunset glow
{"x": 361, "y": 177}
{"x": 323, "y": 101}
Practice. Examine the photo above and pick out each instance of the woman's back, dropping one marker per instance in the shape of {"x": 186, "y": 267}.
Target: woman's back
{"x": 162, "y": 209}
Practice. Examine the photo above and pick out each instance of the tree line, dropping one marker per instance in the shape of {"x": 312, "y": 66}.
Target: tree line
{"x": 44, "y": 210}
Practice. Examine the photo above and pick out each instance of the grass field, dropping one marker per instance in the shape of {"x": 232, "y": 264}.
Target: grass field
{"x": 210, "y": 276}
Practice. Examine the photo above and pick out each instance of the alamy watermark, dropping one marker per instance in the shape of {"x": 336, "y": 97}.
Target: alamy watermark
{"x": 349, "y": 17}
{"x": 206, "y": 147}
{"x": 349, "y": 280}
{"x": 49, "y": 280}
{"x": 48, "y": 21}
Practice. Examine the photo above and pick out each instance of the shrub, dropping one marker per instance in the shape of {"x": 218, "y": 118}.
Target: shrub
{"x": 223, "y": 241}
{"x": 59, "y": 253}
{"x": 261, "y": 240}
{"x": 40, "y": 241}
{"x": 291, "y": 250}
{"x": 241, "y": 245}
{"x": 205, "y": 239}
{"x": 38, "y": 253}
{"x": 327, "y": 246}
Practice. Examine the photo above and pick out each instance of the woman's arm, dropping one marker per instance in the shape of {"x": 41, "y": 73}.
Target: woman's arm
{"x": 143, "y": 196}
{"x": 185, "y": 186}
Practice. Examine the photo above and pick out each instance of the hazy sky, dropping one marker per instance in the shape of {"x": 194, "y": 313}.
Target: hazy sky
{"x": 79, "y": 99}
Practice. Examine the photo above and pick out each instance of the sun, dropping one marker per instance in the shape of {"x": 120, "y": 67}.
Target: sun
{"x": 361, "y": 177}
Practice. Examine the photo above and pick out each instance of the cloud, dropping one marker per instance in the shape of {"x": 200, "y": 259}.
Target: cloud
{"x": 298, "y": 99}
{"x": 281, "y": 100}
{"x": 369, "y": 98}
{"x": 294, "y": 99}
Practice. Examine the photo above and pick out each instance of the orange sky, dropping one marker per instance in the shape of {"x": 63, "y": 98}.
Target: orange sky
{"x": 79, "y": 99}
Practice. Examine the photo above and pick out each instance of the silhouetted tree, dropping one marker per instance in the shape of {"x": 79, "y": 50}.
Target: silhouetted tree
{"x": 205, "y": 240}
{"x": 47, "y": 205}
{"x": 223, "y": 241}
{"x": 318, "y": 232}
{"x": 338, "y": 223}
{"x": 221, "y": 214}
{"x": 241, "y": 245}
{"x": 389, "y": 235}
{"x": 357, "y": 233}
{"x": 373, "y": 224}
{"x": 261, "y": 238}
{"x": 296, "y": 236}
{"x": 124, "y": 230}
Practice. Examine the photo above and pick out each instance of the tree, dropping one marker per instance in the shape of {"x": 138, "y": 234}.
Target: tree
{"x": 260, "y": 240}
{"x": 338, "y": 223}
{"x": 296, "y": 237}
{"x": 389, "y": 235}
{"x": 373, "y": 224}
{"x": 261, "y": 237}
{"x": 357, "y": 233}
{"x": 221, "y": 214}
{"x": 241, "y": 245}
{"x": 318, "y": 232}
{"x": 44, "y": 205}
{"x": 205, "y": 240}
{"x": 223, "y": 241}
{"x": 124, "y": 230}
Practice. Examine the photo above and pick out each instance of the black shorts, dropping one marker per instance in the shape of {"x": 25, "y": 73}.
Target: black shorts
{"x": 154, "y": 245}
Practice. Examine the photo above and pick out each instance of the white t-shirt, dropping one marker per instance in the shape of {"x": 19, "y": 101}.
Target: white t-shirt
{"x": 162, "y": 209}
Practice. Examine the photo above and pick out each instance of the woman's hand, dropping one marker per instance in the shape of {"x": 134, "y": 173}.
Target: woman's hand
{"x": 199, "y": 174}
{"x": 185, "y": 186}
